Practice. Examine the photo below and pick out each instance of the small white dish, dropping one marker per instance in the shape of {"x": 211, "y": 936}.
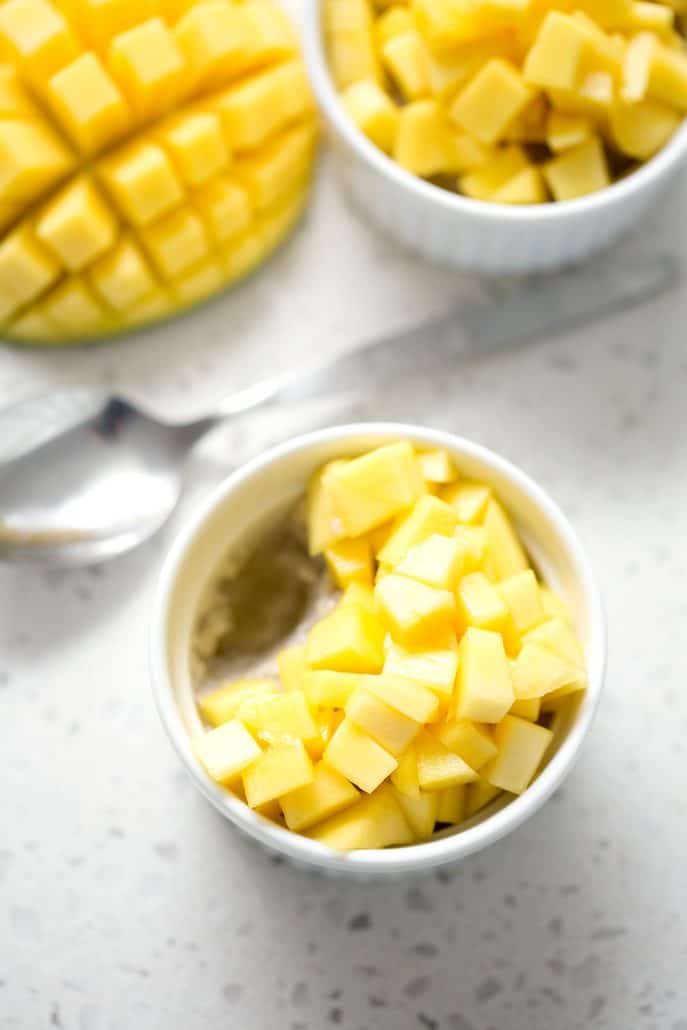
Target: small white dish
{"x": 257, "y": 496}
{"x": 471, "y": 234}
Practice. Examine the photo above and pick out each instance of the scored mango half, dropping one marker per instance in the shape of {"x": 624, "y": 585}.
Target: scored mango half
{"x": 151, "y": 153}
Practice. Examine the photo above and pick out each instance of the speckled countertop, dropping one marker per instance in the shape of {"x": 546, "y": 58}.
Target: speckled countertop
{"x": 127, "y": 903}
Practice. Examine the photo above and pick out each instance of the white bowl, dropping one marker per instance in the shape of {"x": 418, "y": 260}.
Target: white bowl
{"x": 473, "y": 234}
{"x": 259, "y": 494}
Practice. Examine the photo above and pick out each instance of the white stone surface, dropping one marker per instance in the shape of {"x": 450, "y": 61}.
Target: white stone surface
{"x": 127, "y": 903}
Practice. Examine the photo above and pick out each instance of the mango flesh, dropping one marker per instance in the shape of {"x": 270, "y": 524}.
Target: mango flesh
{"x": 412, "y": 704}
{"x": 461, "y": 90}
{"x": 150, "y": 155}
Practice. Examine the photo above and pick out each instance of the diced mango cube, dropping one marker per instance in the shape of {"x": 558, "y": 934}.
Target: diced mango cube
{"x": 529, "y": 708}
{"x": 484, "y": 688}
{"x": 270, "y": 33}
{"x": 226, "y": 208}
{"x": 437, "y": 562}
{"x": 350, "y": 561}
{"x": 474, "y": 541}
{"x": 451, "y": 808}
{"x": 324, "y": 525}
{"x": 360, "y": 595}
{"x": 149, "y": 66}
{"x": 32, "y": 159}
{"x": 215, "y": 40}
{"x": 102, "y": 20}
{"x": 278, "y": 167}
{"x": 491, "y": 101}
{"x": 478, "y": 795}
{"x": 429, "y": 516}
{"x": 527, "y": 187}
{"x": 373, "y": 111}
{"x": 437, "y": 767}
{"x": 176, "y": 242}
{"x": 470, "y": 740}
{"x": 15, "y": 101}
{"x": 404, "y": 776}
{"x": 330, "y": 689}
{"x": 505, "y": 555}
{"x": 293, "y": 666}
{"x": 142, "y": 182}
{"x": 668, "y": 77}
{"x": 538, "y": 671}
{"x": 641, "y": 129}
{"x": 554, "y": 60}
{"x": 500, "y": 167}
{"x": 404, "y": 695}
{"x": 26, "y": 267}
{"x": 468, "y": 499}
{"x": 329, "y": 793}
{"x": 393, "y": 22}
{"x": 523, "y": 598}
{"x": 478, "y": 603}
{"x": 226, "y": 751}
{"x": 350, "y": 42}
{"x": 556, "y": 635}
{"x": 87, "y": 102}
{"x": 73, "y": 309}
{"x": 327, "y": 721}
{"x": 279, "y": 719}
{"x": 567, "y": 130}
{"x": 521, "y": 747}
{"x": 197, "y": 283}
{"x": 405, "y": 59}
{"x": 277, "y": 771}
{"x": 77, "y": 226}
{"x": 358, "y": 757}
{"x": 122, "y": 277}
{"x": 427, "y": 143}
{"x": 348, "y": 640}
{"x": 578, "y": 171}
{"x": 435, "y": 669}
{"x": 376, "y": 821}
{"x": 197, "y": 146}
{"x": 222, "y": 704}
{"x": 384, "y": 724}
{"x": 437, "y": 466}
{"x": 260, "y": 107}
{"x": 417, "y": 615}
{"x": 37, "y": 34}
{"x": 368, "y": 490}
{"x": 553, "y": 605}
{"x": 420, "y": 812}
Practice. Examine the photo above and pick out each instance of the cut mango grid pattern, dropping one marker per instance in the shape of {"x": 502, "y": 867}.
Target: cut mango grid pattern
{"x": 151, "y": 152}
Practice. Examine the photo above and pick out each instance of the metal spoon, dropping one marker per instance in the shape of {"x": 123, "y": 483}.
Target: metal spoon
{"x": 85, "y": 475}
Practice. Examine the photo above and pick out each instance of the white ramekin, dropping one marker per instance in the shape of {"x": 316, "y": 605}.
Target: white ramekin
{"x": 258, "y": 495}
{"x": 472, "y": 234}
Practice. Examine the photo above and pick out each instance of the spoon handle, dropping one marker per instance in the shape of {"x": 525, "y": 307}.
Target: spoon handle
{"x": 514, "y": 314}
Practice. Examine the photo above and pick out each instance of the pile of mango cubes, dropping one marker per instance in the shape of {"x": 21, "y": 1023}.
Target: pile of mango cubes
{"x": 512, "y": 101}
{"x": 428, "y": 689}
{"x": 151, "y": 152}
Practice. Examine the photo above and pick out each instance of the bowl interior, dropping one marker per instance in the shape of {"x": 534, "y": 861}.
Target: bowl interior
{"x": 257, "y": 497}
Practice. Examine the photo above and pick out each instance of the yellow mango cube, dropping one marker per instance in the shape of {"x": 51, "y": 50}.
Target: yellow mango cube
{"x": 293, "y": 666}
{"x": 371, "y": 489}
{"x": 376, "y": 821}
{"x": 197, "y": 283}
{"x": 348, "y": 640}
{"x": 523, "y": 598}
{"x": 214, "y": 38}
{"x": 478, "y": 795}
{"x": 329, "y": 793}
{"x": 225, "y": 207}
{"x": 359, "y": 595}
{"x": 473, "y": 539}
{"x": 527, "y": 187}
{"x": 324, "y": 525}
{"x": 420, "y": 812}
{"x": 15, "y": 101}
{"x": 278, "y": 167}
{"x": 393, "y": 22}
{"x": 451, "y": 808}
{"x": 578, "y": 171}
{"x": 73, "y": 309}
{"x": 437, "y": 562}
{"x": 330, "y": 689}
{"x": 484, "y": 688}
{"x": 101, "y": 20}
{"x": 566, "y": 130}
{"x": 479, "y": 603}
{"x": 555, "y": 58}
{"x": 142, "y": 182}
{"x": 529, "y": 708}
{"x": 149, "y": 66}
{"x": 641, "y": 129}
{"x": 87, "y": 102}
{"x": 258, "y": 108}
{"x": 553, "y": 605}
{"x": 122, "y": 277}
{"x": 404, "y": 695}
{"x": 437, "y": 466}
{"x": 427, "y": 143}
{"x": 26, "y": 267}
{"x": 32, "y": 159}
{"x": 429, "y": 516}
{"x": 77, "y": 226}
{"x": 491, "y": 101}
{"x": 327, "y": 721}
{"x": 405, "y": 59}
{"x": 498, "y": 169}
{"x": 471, "y": 741}
{"x": 226, "y": 751}
{"x": 468, "y": 499}
{"x": 504, "y": 555}
{"x": 350, "y": 561}
{"x": 176, "y": 242}
{"x": 404, "y": 777}
{"x": 35, "y": 33}
{"x": 417, "y": 615}
{"x": 538, "y": 671}
{"x": 222, "y": 704}
{"x": 358, "y": 757}
{"x": 437, "y": 766}
{"x": 373, "y": 111}
{"x": 197, "y": 146}
{"x": 270, "y": 33}
{"x": 436, "y": 670}
{"x": 556, "y": 635}
{"x": 384, "y": 724}
{"x": 668, "y": 77}
{"x": 277, "y": 771}
{"x": 521, "y": 748}
{"x": 279, "y": 719}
